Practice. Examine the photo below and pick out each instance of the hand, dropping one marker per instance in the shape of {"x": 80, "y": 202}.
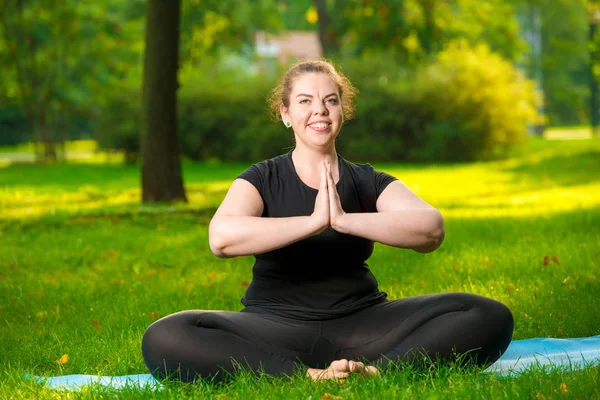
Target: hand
{"x": 341, "y": 369}
{"x": 335, "y": 205}
{"x": 321, "y": 211}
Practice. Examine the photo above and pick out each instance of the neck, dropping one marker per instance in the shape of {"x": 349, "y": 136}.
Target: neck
{"x": 312, "y": 158}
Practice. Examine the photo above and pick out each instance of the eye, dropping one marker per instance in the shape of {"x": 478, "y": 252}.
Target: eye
{"x": 304, "y": 101}
{"x": 333, "y": 101}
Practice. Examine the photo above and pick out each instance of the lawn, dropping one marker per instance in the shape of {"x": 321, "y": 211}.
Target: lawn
{"x": 84, "y": 269}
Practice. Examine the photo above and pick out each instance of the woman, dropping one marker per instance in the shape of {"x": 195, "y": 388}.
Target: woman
{"x": 310, "y": 218}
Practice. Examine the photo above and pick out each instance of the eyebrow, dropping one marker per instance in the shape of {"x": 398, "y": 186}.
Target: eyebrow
{"x": 308, "y": 95}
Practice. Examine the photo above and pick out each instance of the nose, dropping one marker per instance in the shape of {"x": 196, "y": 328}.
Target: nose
{"x": 320, "y": 108}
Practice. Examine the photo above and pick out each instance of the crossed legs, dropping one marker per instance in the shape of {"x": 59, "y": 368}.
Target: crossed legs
{"x": 196, "y": 343}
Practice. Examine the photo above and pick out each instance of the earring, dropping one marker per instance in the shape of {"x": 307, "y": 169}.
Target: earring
{"x": 288, "y": 123}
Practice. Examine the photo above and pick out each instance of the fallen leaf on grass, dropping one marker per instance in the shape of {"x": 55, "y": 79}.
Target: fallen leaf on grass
{"x": 510, "y": 288}
{"x": 328, "y": 396}
{"x": 245, "y": 284}
{"x": 154, "y": 315}
{"x": 63, "y": 359}
{"x": 96, "y": 324}
{"x": 563, "y": 388}
{"x": 540, "y": 396}
{"x": 566, "y": 279}
{"x": 548, "y": 258}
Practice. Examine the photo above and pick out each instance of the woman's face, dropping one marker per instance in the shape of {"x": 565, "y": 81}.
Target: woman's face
{"x": 315, "y": 110}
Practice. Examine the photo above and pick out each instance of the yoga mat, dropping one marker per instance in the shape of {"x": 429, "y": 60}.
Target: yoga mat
{"x": 521, "y": 355}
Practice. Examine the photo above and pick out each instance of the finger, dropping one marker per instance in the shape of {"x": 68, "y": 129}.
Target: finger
{"x": 340, "y": 365}
{"x": 323, "y": 176}
{"x": 341, "y": 375}
{"x": 371, "y": 371}
{"x": 357, "y": 366}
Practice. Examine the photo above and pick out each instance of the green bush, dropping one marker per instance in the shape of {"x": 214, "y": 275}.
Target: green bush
{"x": 477, "y": 106}
{"x": 221, "y": 116}
{"x": 118, "y": 127}
{"x": 468, "y": 104}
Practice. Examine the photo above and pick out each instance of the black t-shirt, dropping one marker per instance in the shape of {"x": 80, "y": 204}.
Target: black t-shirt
{"x": 325, "y": 275}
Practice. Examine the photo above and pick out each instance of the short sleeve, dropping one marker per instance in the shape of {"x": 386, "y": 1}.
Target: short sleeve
{"x": 382, "y": 180}
{"x": 255, "y": 174}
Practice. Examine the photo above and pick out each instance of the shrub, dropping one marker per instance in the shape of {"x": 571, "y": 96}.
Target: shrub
{"x": 468, "y": 104}
{"x": 118, "y": 127}
{"x": 478, "y": 105}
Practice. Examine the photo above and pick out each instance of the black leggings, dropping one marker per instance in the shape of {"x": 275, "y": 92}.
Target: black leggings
{"x": 212, "y": 344}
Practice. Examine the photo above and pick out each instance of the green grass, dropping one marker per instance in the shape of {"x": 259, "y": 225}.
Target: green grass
{"x": 84, "y": 269}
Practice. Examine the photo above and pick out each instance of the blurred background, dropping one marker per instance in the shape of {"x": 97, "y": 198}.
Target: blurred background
{"x": 454, "y": 80}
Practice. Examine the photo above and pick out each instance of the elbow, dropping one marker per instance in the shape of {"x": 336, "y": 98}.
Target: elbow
{"x": 216, "y": 246}
{"x": 217, "y": 242}
{"x": 434, "y": 236}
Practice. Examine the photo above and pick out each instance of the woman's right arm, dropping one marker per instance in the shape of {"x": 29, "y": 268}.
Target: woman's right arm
{"x": 237, "y": 228}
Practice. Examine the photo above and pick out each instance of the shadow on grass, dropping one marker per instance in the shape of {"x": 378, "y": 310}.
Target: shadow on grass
{"x": 134, "y": 213}
{"x": 106, "y": 176}
{"x": 564, "y": 170}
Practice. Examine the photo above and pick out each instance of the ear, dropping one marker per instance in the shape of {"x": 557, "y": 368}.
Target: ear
{"x": 284, "y": 115}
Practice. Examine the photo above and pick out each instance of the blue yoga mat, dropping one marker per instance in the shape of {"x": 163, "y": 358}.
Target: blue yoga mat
{"x": 520, "y": 356}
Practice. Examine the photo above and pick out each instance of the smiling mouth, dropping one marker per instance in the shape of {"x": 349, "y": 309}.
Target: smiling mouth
{"x": 319, "y": 125}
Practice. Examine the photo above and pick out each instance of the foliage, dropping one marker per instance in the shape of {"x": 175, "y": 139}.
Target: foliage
{"x": 558, "y": 55}
{"x": 210, "y": 25}
{"x": 412, "y": 29}
{"x": 477, "y": 105}
{"x": 459, "y": 108}
{"x": 84, "y": 269}
{"x": 222, "y": 115}
{"x": 55, "y": 58}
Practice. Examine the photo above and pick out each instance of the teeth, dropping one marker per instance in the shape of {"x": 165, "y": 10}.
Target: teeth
{"x": 320, "y": 125}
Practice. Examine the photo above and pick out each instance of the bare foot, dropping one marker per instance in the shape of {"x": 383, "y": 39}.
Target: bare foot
{"x": 341, "y": 369}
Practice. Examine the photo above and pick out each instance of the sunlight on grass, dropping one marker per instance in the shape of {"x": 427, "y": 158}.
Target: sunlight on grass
{"x": 28, "y": 203}
{"x": 542, "y": 182}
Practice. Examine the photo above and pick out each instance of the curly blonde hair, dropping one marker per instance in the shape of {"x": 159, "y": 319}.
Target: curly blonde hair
{"x": 281, "y": 93}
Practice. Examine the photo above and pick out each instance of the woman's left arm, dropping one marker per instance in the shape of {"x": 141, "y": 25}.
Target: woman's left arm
{"x": 402, "y": 220}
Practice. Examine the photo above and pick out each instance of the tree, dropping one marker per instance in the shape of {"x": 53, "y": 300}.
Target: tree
{"x": 54, "y": 61}
{"x": 161, "y": 166}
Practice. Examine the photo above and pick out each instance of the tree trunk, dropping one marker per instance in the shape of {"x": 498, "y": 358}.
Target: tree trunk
{"x": 327, "y": 37}
{"x": 428, "y": 7}
{"x": 161, "y": 167}
{"x": 49, "y": 153}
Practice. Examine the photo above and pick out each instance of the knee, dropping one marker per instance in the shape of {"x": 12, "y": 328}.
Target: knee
{"x": 491, "y": 313}
{"x": 501, "y": 314}
{"x": 153, "y": 341}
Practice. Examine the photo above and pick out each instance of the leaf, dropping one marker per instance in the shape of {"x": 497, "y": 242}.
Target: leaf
{"x": 154, "y": 315}
{"x": 63, "y": 359}
{"x": 245, "y": 284}
{"x": 563, "y": 388}
{"x": 566, "y": 279}
{"x": 328, "y": 396}
{"x": 96, "y": 324}
{"x": 546, "y": 261}
{"x": 555, "y": 259}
